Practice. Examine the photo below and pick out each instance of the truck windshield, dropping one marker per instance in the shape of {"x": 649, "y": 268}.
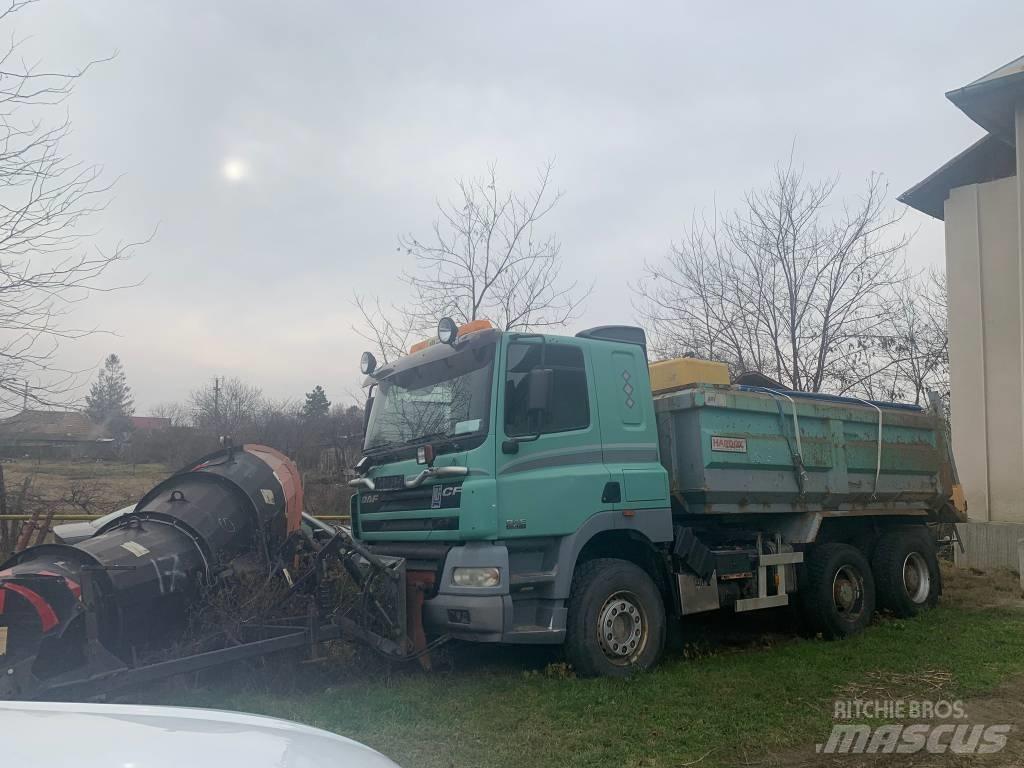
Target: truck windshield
{"x": 445, "y": 398}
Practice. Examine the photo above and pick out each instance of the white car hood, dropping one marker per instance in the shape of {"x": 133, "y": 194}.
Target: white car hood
{"x": 37, "y": 734}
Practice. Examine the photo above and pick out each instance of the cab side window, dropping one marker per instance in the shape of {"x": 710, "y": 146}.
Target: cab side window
{"x": 569, "y": 406}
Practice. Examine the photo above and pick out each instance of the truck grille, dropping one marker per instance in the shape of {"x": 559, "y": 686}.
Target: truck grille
{"x": 437, "y": 496}
{"x": 389, "y": 482}
{"x": 410, "y": 524}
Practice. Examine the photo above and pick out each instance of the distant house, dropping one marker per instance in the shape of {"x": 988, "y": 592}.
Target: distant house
{"x": 55, "y": 434}
{"x": 149, "y": 423}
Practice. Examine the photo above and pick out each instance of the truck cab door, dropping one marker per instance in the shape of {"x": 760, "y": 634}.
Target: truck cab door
{"x": 628, "y": 426}
{"x": 550, "y": 466}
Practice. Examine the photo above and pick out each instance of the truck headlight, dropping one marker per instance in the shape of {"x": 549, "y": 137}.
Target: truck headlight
{"x": 476, "y": 577}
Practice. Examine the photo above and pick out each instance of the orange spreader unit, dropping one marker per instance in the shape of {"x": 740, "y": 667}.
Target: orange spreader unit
{"x": 288, "y": 476}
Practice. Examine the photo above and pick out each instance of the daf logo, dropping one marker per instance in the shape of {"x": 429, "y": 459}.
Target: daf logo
{"x": 440, "y": 492}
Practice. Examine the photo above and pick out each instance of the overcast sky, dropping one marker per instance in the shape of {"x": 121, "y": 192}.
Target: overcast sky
{"x": 282, "y": 147}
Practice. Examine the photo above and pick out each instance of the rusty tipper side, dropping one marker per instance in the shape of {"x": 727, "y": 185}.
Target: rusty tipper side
{"x": 756, "y": 450}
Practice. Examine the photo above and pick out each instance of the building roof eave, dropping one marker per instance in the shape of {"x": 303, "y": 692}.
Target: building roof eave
{"x": 988, "y": 159}
{"x": 990, "y": 100}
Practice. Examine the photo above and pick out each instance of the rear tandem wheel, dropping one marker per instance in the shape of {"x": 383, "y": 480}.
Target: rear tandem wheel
{"x": 906, "y": 571}
{"x": 838, "y": 596}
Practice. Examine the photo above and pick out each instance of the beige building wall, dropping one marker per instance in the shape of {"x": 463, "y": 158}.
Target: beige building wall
{"x": 985, "y": 347}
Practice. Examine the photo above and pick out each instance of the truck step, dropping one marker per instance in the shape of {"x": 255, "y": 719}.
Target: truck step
{"x": 756, "y": 603}
{"x": 783, "y": 558}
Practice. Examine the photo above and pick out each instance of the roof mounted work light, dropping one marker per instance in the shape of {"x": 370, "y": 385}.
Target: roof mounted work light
{"x": 447, "y": 330}
{"x": 367, "y": 363}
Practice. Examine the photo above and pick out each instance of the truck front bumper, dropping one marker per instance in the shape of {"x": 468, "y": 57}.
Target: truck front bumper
{"x": 467, "y": 617}
{"x": 490, "y": 614}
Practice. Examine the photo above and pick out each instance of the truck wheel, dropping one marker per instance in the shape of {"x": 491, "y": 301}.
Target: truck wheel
{"x": 906, "y": 571}
{"x": 616, "y": 622}
{"x": 839, "y": 591}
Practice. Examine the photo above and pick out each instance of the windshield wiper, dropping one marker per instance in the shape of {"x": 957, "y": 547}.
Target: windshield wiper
{"x": 382, "y": 447}
{"x": 427, "y": 437}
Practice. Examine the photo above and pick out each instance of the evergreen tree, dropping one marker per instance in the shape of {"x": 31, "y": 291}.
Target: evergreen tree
{"x": 110, "y": 396}
{"x": 317, "y": 406}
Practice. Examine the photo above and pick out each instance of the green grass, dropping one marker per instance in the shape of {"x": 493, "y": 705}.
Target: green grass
{"x": 728, "y": 707}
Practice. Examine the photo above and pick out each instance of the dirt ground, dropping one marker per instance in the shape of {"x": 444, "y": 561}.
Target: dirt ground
{"x": 972, "y": 588}
{"x": 1005, "y": 705}
{"x": 85, "y": 487}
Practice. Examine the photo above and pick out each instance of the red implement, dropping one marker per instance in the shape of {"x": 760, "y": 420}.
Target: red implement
{"x": 417, "y": 585}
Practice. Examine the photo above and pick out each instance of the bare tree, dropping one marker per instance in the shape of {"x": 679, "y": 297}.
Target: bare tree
{"x": 228, "y": 407}
{"x": 47, "y": 264}
{"x": 782, "y": 285}
{"x": 390, "y": 330}
{"x": 240, "y": 411}
{"x": 487, "y": 257}
{"x": 347, "y": 434}
{"x": 912, "y": 352}
{"x": 177, "y": 413}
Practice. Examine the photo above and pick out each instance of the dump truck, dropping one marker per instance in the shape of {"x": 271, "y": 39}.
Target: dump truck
{"x": 564, "y": 490}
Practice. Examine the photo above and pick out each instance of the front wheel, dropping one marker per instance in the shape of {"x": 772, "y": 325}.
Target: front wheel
{"x": 616, "y": 622}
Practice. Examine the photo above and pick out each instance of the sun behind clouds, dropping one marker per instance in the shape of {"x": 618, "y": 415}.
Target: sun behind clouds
{"x": 235, "y": 169}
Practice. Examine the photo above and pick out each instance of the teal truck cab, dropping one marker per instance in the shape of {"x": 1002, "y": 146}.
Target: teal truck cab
{"x": 540, "y": 492}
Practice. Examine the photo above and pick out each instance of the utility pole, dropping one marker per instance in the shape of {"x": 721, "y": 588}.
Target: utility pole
{"x": 24, "y": 400}
{"x": 216, "y": 402}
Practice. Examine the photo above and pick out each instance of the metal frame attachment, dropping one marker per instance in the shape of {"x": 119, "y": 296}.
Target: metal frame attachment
{"x": 777, "y": 561}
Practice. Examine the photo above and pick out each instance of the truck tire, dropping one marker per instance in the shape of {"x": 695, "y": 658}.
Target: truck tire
{"x": 838, "y": 591}
{"x": 616, "y": 621}
{"x": 906, "y": 571}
